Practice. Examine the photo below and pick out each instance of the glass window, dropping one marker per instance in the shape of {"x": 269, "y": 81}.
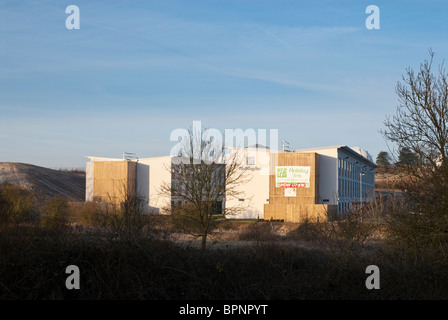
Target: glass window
{"x": 350, "y": 170}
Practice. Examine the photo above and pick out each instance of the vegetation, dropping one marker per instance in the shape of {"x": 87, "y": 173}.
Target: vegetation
{"x": 16, "y": 205}
{"x": 80, "y": 171}
{"x": 123, "y": 254}
{"x": 55, "y": 214}
{"x": 202, "y": 177}
{"x": 419, "y": 130}
{"x": 383, "y": 159}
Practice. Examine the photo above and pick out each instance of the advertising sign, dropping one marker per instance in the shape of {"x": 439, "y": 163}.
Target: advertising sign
{"x": 292, "y": 177}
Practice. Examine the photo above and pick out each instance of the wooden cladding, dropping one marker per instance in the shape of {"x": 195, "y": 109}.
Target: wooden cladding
{"x": 301, "y": 204}
{"x": 114, "y": 181}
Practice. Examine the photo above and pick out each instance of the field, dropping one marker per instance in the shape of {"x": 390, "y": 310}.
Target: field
{"x": 129, "y": 256}
{"x": 244, "y": 260}
{"x": 45, "y": 182}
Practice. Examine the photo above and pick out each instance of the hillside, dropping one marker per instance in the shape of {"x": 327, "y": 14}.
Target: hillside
{"x": 45, "y": 182}
{"x": 387, "y": 179}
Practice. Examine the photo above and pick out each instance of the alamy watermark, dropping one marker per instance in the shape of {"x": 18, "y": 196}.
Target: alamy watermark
{"x": 72, "y": 281}
{"x": 73, "y": 20}
{"x": 198, "y": 144}
{"x": 373, "y": 20}
{"x": 373, "y": 281}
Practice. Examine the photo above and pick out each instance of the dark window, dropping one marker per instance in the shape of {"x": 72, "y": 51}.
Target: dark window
{"x": 217, "y": 207}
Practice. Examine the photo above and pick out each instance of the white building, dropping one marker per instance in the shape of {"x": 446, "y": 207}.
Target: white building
{"x": 346, "y": 176}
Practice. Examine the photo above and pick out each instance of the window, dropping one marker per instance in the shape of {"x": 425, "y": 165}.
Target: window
{"x": 217, "y": 207}
{"x": 349, "y": 170}
{"x": 250, "y": 160}
{"x": 351, "y": 189}
{"x": 345, "y": 168}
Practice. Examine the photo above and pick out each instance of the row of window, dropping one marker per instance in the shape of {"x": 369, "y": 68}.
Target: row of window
{"x": 344, "y": 206}
{"x": 349, "y": 170}
{"x": 352, "y": 189}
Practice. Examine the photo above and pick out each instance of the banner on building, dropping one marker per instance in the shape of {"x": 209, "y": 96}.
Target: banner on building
{"x": 292, "y": 177}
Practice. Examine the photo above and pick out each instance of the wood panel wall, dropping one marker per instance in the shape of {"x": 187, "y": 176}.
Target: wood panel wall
{"x": 113, "y": 181}
{"x": 306, "y": 202}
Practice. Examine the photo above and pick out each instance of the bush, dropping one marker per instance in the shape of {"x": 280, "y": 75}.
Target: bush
{"x": 125, "y": 220}
{"x": 307, "y": 231}
{"x": 258, "y": 231}
{"x": 16, "y": 204}
{"x": 131, "y": 222}
{"x": 55, "y": 214}
{"x": 420, "y": 234}
{"x": 93, "y": 214}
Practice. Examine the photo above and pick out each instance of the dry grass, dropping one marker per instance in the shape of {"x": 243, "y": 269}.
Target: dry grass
{"x": 126, "y": 257}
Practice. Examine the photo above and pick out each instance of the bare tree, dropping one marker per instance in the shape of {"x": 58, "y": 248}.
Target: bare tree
{"x": 205, "y": 176}
{"x": 420, "y": 124}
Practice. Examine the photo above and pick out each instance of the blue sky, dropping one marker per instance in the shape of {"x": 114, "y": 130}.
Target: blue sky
{"x": 137, "y": 70}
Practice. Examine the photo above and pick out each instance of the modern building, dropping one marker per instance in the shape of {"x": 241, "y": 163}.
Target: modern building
{"x": 112, "y": 178}
{"x": 280, "y": 185}
{"x": 346, "y": 176}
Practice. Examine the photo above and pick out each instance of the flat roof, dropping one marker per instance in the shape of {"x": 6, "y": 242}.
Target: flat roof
{"x": 343, "y": 147}
{"x": 319, "y": 148}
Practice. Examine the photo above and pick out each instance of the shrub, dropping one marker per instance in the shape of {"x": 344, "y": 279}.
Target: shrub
{"x": 55, "y": 214}
{"x": 419, "y": 233}
{"x": 16, "y": 204}
{"x": 125, "y": 220}
{"x": 258, "y": 231}
{"x": 131, "y": 222}
{"x": 306, "y": 230}
{"x": 92, "y": 214}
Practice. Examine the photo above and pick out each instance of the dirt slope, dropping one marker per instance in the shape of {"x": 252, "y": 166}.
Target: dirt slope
{"x": 46, "y": 182}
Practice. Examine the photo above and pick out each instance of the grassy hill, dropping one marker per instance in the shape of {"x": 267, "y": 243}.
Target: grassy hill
{"x": 44, "y": 182}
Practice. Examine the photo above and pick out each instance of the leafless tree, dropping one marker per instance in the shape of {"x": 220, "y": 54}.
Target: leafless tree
{"x": 204, "y": 178}
{"x": 421, "y": 124}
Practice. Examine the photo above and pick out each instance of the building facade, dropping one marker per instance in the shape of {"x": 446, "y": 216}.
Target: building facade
{"x": 347, "y": 176}
{"x": 339, "y": 178}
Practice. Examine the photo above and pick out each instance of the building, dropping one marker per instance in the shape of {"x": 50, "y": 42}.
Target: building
{"x": 294, "y": 188}
{"x": 347, "y": 176}
{"x": 322, "y": 180}
{"x": 104, "y": 181}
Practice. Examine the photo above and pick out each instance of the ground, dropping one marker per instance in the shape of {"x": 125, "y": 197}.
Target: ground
{"x": 44, "y": 181}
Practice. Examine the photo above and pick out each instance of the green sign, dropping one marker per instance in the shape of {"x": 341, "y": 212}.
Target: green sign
{"x": 292, "y": 177}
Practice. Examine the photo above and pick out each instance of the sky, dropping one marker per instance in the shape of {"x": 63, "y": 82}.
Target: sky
{"x": 135, "y": 71}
